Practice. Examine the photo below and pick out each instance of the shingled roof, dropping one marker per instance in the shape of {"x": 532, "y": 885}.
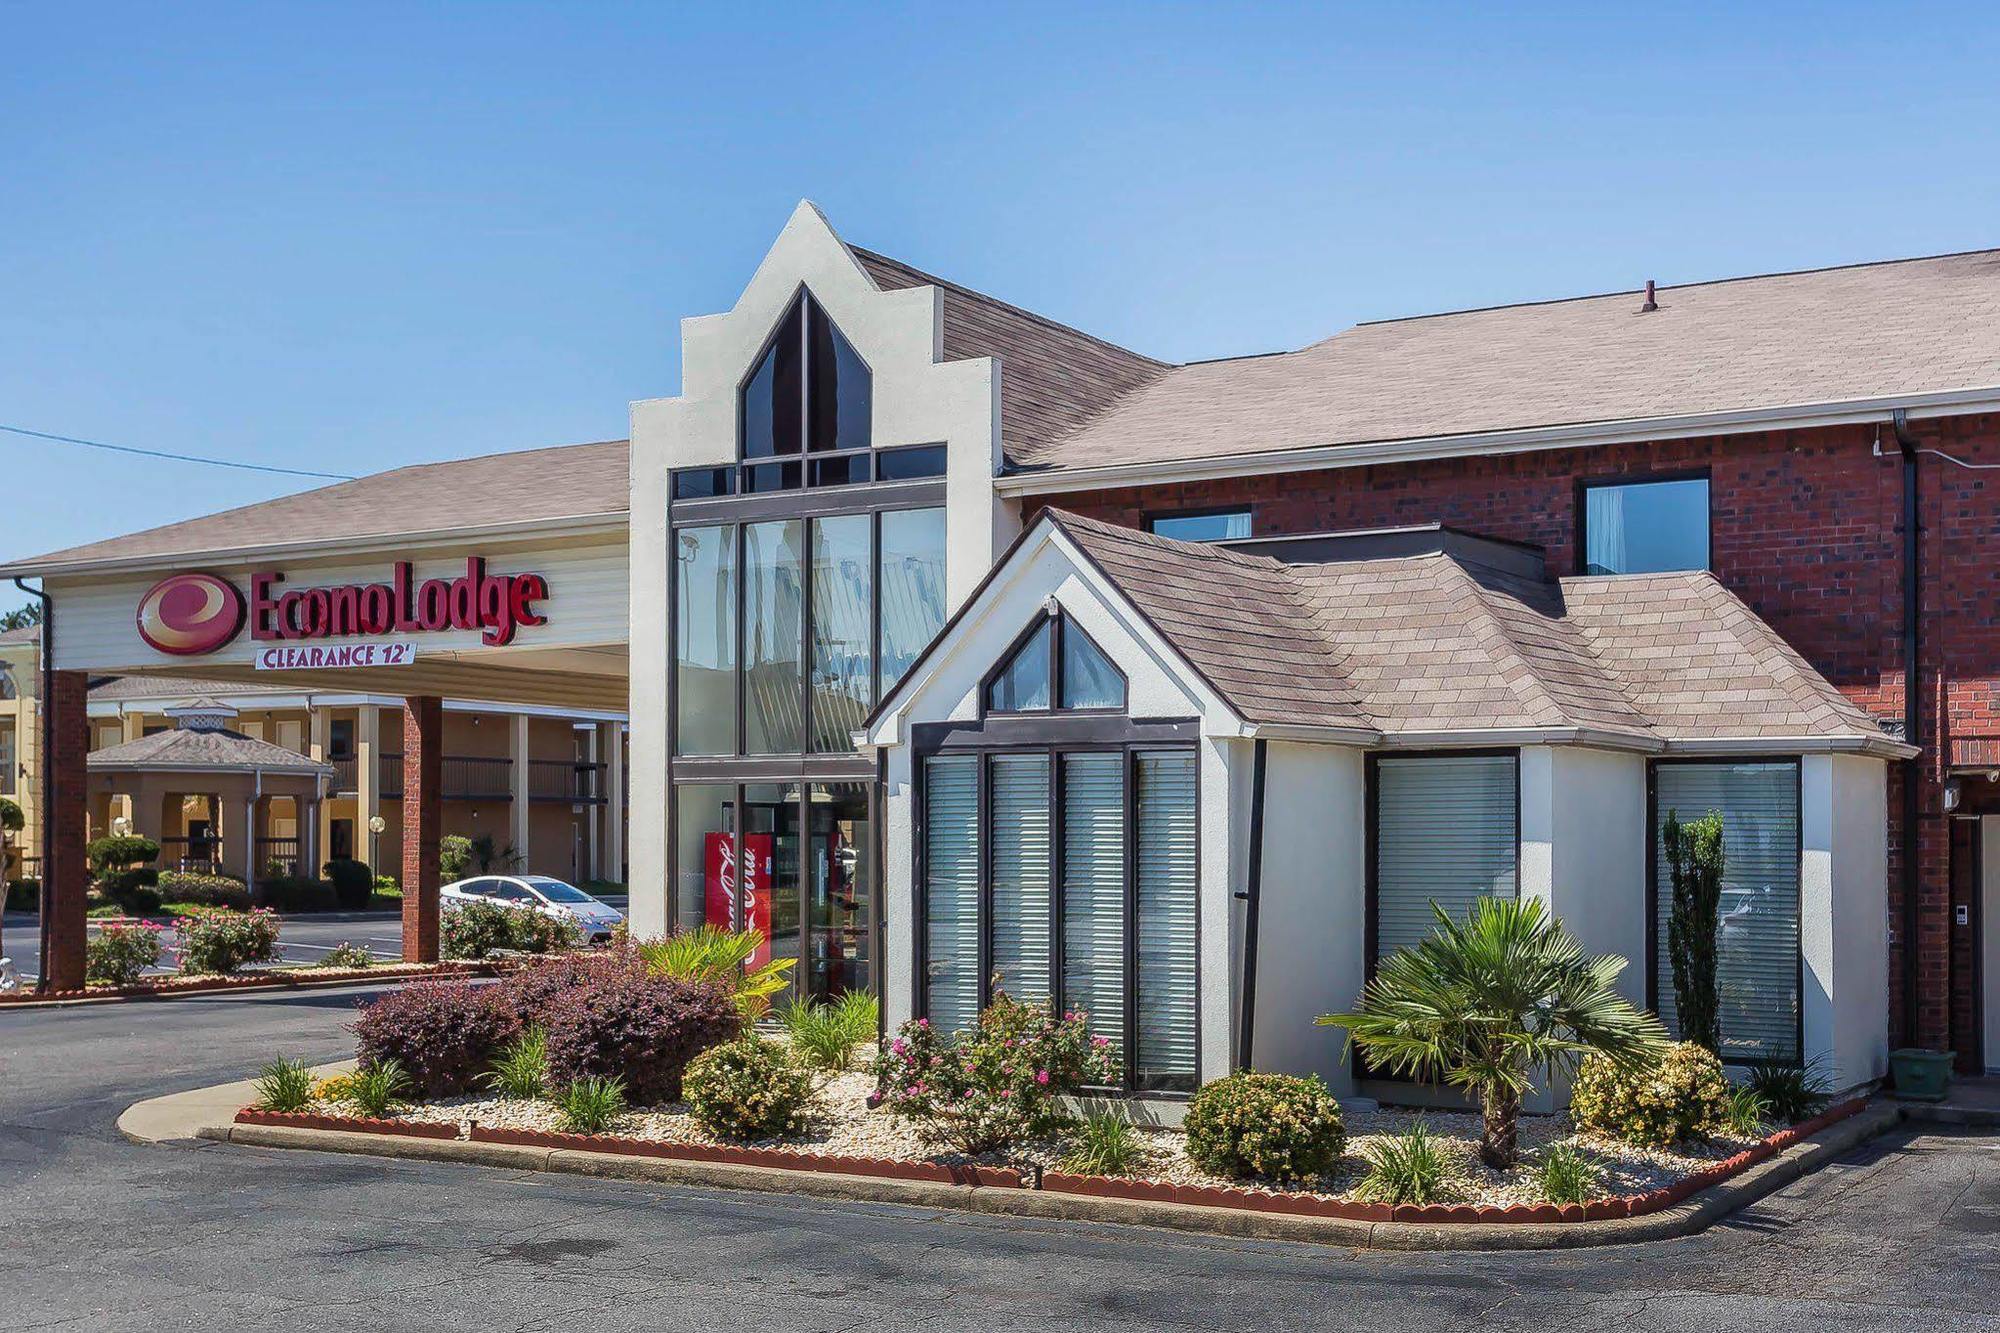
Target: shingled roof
{"x": 1440, "y": 643}
{"x": 187, "y": 750}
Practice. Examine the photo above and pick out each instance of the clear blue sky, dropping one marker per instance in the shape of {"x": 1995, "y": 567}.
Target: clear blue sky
{"x": 350, "y": 237}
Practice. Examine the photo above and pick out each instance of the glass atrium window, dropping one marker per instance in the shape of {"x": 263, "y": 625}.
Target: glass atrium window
{"x": 1213, "y": 526}
{"x": 1057, "y": 661}
{"x": 1645, "y": 527}
{"x": 810, "y": 393}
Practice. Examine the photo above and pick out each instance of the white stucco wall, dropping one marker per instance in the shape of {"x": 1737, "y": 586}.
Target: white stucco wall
{"x": 916, "y": 400}
{"x": 1583, "y": 849}
{"x": 1312, "y": 941}
{"x": 1843, "y": 916}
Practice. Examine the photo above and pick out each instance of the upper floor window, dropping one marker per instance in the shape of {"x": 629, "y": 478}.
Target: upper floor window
{"x": 1055, "y": 665}
{"x": 1212, "y": 525}
{"x": 7, "y": 687}
{"x": 1645, "y": 527}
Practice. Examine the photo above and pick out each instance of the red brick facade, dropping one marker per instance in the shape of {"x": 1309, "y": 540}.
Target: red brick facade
{"x": 1805, "y": 525}
{"x": 67, "y": 808}
{"x": 423, "y": 824}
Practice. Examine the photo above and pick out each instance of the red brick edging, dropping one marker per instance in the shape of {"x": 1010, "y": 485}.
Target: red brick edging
{"x": 173, "y": 986}
{"x": 1101, "y": 1187}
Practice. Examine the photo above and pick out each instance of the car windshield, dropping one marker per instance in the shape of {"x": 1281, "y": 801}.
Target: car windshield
{"x": 558, "y": 892}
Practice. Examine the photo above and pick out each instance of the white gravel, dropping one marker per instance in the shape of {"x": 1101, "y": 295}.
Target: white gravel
{"x": 845, "y": 1125}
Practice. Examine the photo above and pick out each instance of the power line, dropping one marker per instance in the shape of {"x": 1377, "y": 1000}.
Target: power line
{"x": 178, "y": 458}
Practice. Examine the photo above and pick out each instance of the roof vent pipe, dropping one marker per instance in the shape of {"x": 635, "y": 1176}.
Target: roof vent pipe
{"x": 1650, "y": 304}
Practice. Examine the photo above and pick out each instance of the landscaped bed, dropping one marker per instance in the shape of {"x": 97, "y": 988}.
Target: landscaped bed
{"x": 650, "y": 1051}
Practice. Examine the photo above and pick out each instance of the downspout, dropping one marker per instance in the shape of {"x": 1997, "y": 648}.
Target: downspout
{"x": 1912, "y": 714}
{"x": 44, "y": 770}
{"x": 1252, "y": 894}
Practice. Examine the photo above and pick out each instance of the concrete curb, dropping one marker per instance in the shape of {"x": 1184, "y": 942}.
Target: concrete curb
{"x": 208, "y": 1113}
{"x": 302, "y": 978}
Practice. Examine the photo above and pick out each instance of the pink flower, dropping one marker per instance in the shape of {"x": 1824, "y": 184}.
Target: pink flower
{"x": 897, "y": 1046}
{"x": 1042, "y": 1077}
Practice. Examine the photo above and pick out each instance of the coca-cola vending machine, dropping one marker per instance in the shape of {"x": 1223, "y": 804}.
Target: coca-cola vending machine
{"x": 746, "y": 903}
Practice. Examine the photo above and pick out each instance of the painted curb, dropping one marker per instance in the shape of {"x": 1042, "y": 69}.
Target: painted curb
{"x": 305, "y": 979}
{"x": 1696, "y": 1208}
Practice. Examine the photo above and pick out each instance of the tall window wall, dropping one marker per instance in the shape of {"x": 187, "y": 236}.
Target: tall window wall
{"x": 807, "y": 577}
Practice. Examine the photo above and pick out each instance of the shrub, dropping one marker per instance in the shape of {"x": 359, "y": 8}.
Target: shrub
{"x": 749, "y": 1089}
{"x": 619, "y": 1020}
{"x": 379, "y": 1089}
{"x": 522, "y": 1069}
{"x": 352, "y": 882}
{"x": 454, "y": 855}
{"x": 1790, "y": 1093}
{"x": 225, "y": 941}
{"x": 1683, "y": 1096}
{"x": 284, "y": 1085}
{"x": 995, "y": 1086}
{"x": 1746, "y": 1114}
{"x": 347, "y": 955}
{"x": 591, "y": 1105}
{"x": 334, "y": 1088}
{"x": 1106, "y": 1144}
{"x": 1695, "y": 860}
{"x": 711, "y": 953}
{"x": 1406, "y": 1168}
{"x": 120, "y": 955}
{"x": 530, "y": 991}
{"x": 132, "y": 890}
{"x": 475, "y": 929}
{"x": 1276, "y": 1126}
{"x": 443, "y": 1034}
{"x": 823, "y": 1036}
{"x": 537, "y": 932}
{"x": 24, "y": 895}
{"x": 1567, "y": 1175}
{"x": 185, "y": 886}
{"x": 118, "y": 850}
{"x": 289, "y": 893}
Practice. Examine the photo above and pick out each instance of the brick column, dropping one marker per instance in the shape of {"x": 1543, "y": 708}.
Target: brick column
{"x": 423, "y": 823}
{"x": 67, "y": 817}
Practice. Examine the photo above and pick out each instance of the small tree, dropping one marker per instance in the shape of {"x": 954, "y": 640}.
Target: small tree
{"x": 121, "y": 851}
{"x": 1487, "y": 1002}
{"x": 1695, "y": 864}
{"x": 12, "y": 821}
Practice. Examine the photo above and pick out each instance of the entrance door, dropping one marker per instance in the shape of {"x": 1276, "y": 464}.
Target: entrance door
{"x": 1988, "y": 923}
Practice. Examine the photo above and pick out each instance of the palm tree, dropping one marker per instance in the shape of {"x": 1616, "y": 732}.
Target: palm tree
{"x": 1488, "y": 1002}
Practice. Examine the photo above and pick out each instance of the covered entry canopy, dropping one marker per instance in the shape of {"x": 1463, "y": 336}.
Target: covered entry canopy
{"x": 499, "y": 580}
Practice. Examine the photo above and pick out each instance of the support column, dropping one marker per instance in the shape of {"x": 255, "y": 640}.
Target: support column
{"x": 614, "y": 802}
{"x": 593, "y": 755}
{"x": 310, "y": 859}
{"x": 131, "y": 727}
{"x": 368, "y": 782}
{"x": 242, "y": 833}
{"x": 66, "y": 815}
{"x": 518, "y": 752}
{"x": 319, "y": 740}
{"x": 423, "y": 823}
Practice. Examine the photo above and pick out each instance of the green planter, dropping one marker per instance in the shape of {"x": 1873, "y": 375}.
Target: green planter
{"x": 1921, "y": 1076}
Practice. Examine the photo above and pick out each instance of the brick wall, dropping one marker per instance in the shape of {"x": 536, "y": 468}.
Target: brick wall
{"x": 1805, "y": 527}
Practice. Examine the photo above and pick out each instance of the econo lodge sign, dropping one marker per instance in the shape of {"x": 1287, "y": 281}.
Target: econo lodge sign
{"x": 188, "y": 615}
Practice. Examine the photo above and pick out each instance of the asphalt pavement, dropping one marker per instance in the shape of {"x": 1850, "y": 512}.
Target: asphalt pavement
{"x": 102, "y": 1234}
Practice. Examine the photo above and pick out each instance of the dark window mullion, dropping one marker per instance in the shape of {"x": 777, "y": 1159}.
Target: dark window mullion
{"x": 742, "y": 676}
{"x": 1131, "y": 797}
{"x": 808, "y": 597}
{"x": 984, "y": 914}
{"x": 1058, "y": 1002}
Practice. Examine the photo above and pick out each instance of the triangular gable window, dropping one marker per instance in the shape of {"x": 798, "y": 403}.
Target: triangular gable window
{"x": 1054, "y": 660}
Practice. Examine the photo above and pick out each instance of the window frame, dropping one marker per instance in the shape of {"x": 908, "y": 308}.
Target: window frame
{"x": 1060, "y": 623}
{"x": 938, "y": 740}
{"x": 1653, "y": 978}
{"x": 1249, "y": 512}
{"x": 1585, "y": 485}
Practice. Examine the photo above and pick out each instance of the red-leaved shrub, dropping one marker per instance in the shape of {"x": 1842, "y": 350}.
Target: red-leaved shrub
{"x": 443, "y": 1033}
{"x": 617, "y": 1021}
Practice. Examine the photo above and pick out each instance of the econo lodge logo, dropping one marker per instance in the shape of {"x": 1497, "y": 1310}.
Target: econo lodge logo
{"x": 190, "y": 614}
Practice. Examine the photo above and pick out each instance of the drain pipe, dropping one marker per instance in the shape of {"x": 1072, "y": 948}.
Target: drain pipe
{"x": 45, "y": 772}
{"x": 1252, "y": 894}
{"x": 1912, "y": 713}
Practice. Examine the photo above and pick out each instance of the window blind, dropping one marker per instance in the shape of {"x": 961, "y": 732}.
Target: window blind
{"x": 1757, "y": 954}
{"x": 1093, "y": 892}
{"x": 1445, "y": 833}
{"x": 1164, "y": 835}
{"x": 951, "y": 890}
{"x": 1021, "y": 869}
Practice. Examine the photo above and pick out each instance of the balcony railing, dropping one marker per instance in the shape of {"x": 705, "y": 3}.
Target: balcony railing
{"x": 471, "y": 778}
{"x": 202, "y": 856}
{"x": 278, "y": 855}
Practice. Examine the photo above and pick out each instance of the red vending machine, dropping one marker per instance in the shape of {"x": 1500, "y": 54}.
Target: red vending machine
{"x": 747, "y": 904}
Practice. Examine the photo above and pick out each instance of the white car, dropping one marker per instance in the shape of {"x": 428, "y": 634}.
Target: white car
{"x": 550, "y": 897}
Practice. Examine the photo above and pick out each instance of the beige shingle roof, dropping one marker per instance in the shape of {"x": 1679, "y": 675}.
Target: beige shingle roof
{"x": 182, "y": 749}
{"x": 569, "y": 481}
{"x": 1443, "y": 643}
{"x": 1828, "y": 336}
{"x": 169, "y": 688}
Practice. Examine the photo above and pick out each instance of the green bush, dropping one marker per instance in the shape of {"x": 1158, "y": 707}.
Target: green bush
{"x": 353, "y": 883}
{"x": 1105, "y": 1144}
{"x": 1747, "y": 1113}
{"x": 454, "y": 857}
{"x": 538, "y": 932}
{"x": 443, "y": 1034}
{"x": 284, "y": 1085}
{"x": 1789, "y": 1093}
{"x": 133, "y": 890}
{"x": 223, "y": 942}
{"x": 1567, "y": 1175}
{"x": 1274, "y": 1126}
{"x": 474, "y": 928}
{"x": 1406, "y": 1168}
{"x": 748, "y": 1089}
{"x": 591, "y": 1105}
{"x": 24, "y": 895}
{"x": 521, "y": 1070}
{"x": 1695, "y": 867}
{"x": 116, "y": 851}
{"x": 120, "y": 955}
{"x": 379, "y": 1088}
{"x": 292, "y": 894}
{"x": 998, "y": 1085}
{"x": 823, "y": 1036}
{"x": 1684, "y": 1095}
{"x": 186, "y": 886}
{"x": 346, "y": 955}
